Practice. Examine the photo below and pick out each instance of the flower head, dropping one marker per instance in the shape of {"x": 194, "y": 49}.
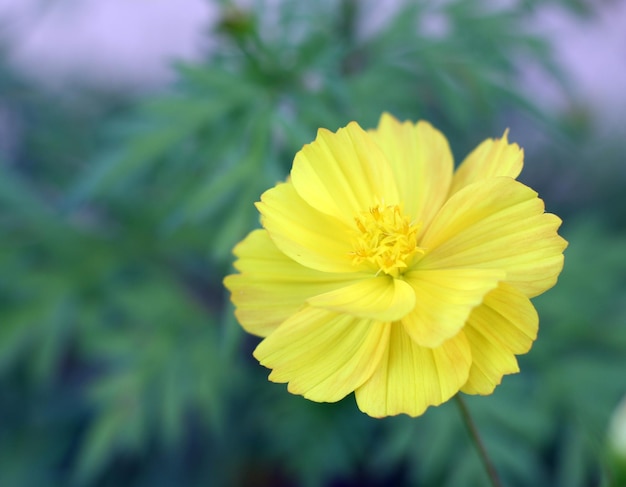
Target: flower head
{"x": 380, "y": 270}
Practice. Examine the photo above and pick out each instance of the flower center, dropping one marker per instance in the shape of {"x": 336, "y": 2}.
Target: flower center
{"x": 385, "y": 237}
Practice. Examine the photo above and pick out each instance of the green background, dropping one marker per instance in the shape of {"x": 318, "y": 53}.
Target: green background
{"x": 121, "y": 363}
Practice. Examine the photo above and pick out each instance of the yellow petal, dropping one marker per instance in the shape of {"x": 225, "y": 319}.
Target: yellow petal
{"x": 497, "y": 224}
{"x": 271, "y": 286}
{"x": 411, "y": 378}
{"x": 343, "y": 173}
{"x": 379, "y": 298}
{"x": 492, "y": 158}
{"x": 322, "y": 355}
{"x": 444, "y": 300}
{"x": 422, "y": 164}
{"x": 505, "y": 325}
{"x": 304, "y": 234}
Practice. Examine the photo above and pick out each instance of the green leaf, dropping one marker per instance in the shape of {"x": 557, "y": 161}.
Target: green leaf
{"x": 118, "y": 429}
{"x": 173, "y": 121}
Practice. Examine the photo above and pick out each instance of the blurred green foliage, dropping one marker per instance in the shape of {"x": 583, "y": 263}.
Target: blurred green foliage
{"x": 120, "y": 360}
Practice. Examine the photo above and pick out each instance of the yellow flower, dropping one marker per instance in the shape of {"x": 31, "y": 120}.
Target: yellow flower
{"x": 382, "y": 271}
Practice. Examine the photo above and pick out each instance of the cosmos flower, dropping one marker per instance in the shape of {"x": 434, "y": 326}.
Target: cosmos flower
{"x": 380, "y": 270}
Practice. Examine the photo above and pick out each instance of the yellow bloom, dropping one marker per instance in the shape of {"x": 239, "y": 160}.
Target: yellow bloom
{"x": 382, "y": 271}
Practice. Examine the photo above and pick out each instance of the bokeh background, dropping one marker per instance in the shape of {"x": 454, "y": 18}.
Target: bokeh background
{"x": 135, "y": 137}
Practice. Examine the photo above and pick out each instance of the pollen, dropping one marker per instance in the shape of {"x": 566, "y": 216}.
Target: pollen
{"x": 386, "y": 238}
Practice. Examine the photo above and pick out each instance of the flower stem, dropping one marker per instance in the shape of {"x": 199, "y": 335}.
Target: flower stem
{"x": 480, "y": 447}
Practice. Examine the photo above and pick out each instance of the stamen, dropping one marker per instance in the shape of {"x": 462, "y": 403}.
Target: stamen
{"x": 386, "y": 238}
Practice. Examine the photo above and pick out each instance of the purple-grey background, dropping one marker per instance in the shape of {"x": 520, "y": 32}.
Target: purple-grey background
{"x": 129, "y": 44}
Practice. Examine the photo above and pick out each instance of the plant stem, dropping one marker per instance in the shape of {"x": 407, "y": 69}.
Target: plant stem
{"x": 480, "y": 447}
